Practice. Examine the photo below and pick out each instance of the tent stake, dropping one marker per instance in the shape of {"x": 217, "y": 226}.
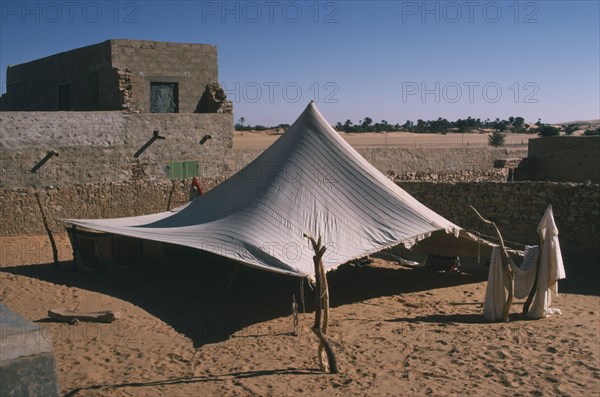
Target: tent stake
{"x": 327, "y": 361}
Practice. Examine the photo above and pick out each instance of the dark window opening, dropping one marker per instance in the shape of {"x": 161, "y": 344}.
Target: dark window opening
{"x": 164, "y": 98}
{"x": 64, "y": 97}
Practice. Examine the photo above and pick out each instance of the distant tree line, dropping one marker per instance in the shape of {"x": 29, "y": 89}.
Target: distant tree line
{"x": 258, "y": 127}
{"x": 550, "y": 130}
{"x": 441, "y": 125}
{"x": 367, "y": 125}
{"x": 239, "y": 126}
{"x": 571, "y": 128}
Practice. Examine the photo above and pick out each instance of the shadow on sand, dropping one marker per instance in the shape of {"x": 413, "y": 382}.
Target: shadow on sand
{"x": 583, "y": 275}
{"x": 199, "y": 379}
{"x": 190, "y": 293}
{"x": 467, "y": 318}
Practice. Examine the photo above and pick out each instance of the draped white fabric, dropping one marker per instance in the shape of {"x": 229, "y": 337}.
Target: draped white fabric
{"x": 498, "y": 281}
{"x": 309, "y": 181}
{"x": 551, "y": 268}
{"x": 495, "y": 293}
{"x": 549, "y": 271}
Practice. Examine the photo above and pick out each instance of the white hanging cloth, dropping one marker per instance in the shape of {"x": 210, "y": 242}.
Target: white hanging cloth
{"x": 551, "y": 269}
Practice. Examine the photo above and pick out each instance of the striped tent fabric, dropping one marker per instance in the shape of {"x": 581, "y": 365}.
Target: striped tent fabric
{"x": 309, "y": 181}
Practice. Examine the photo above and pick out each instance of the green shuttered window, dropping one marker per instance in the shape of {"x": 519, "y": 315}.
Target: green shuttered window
{"x": 183, "y": 169}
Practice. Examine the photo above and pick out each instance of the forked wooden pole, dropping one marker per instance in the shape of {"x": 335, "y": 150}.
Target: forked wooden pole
{"x": 506, "y": 265}
{"x": 327, "y": 361}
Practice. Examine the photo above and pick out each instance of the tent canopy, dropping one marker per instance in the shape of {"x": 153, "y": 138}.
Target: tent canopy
{"x": 309, "y": 181}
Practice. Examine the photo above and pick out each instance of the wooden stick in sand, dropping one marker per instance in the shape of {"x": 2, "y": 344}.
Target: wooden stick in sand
{"x": 69, "y": 316}
{"x": 327, "y": 361}
{"x": 48, "y": 231}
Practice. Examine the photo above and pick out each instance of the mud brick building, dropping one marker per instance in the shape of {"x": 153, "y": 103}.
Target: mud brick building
{"x": 134, "y": 75}
{"x": 561, "y": 159}
{"x": 98, "y": 109}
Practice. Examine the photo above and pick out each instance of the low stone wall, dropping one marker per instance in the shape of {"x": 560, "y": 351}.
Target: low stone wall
{"x": 436, "y": 160}
{"x": 516, "y": 207}
{"x": 21, "y": 215}
{"x": 494, "y": 175}
{"x": 431, "y": 164}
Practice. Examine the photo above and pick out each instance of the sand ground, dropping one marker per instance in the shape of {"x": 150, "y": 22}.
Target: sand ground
{"x": 261, "y": 140}
{"x": 395, "y": 331}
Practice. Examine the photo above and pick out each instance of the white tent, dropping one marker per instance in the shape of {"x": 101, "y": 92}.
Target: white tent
{"x": 309, "y": 181}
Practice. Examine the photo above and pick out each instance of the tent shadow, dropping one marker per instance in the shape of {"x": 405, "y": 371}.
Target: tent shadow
{"x": 352, "y": 284}
{"x": 190, "y": 294}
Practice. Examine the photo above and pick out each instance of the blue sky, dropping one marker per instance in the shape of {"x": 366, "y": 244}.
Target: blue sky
{"x": 392, "y": 60}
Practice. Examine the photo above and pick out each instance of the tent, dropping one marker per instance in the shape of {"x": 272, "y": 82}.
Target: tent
{"x": 309, "y": 181}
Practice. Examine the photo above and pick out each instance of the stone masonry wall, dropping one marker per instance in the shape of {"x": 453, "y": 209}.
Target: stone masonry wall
{"x": 20, "y": 213}
{"x": 405, "y": 160}
{"x": 430, "y": 164}
{"x": 516, "y": 207}
{"x": 100, "y": 146}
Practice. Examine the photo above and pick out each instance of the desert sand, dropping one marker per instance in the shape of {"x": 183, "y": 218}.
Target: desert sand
{"x": 395, "y": 331}
{"x": 261, "y": 140}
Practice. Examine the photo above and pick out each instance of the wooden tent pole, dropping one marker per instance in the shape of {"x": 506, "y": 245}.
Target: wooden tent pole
{"x": 325, "y": 306}
{"x": 322, "y": 304}
{"x": 505, "y": 263}
{"x": 171, "y": 195}
{"x": 48, "y": 231}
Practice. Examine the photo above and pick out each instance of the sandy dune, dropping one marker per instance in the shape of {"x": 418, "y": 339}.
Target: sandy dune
{"x": 396, "y": 332}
